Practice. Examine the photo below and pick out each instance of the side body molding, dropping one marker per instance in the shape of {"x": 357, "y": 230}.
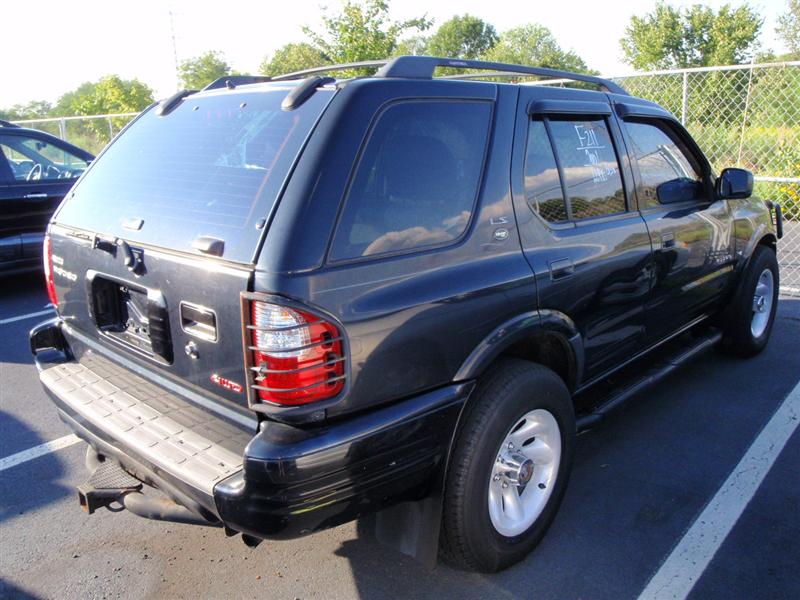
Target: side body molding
{"x": 518, "y": 328}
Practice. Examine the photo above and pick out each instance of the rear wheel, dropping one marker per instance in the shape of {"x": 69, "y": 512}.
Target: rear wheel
{"x": 509, "y": 468}
{"x": 747, "y": 323}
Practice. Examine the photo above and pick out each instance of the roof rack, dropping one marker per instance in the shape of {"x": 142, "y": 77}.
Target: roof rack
{"x": 423, "y": 67}
{"x": 231, "y": 81}
{"x": 330, "y": 68}
{"x": 8, "y": 124}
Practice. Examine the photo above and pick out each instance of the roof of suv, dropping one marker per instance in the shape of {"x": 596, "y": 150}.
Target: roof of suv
{"x": 422, "y": 67}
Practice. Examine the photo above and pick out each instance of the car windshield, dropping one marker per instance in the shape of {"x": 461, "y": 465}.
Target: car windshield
{"x": 212, "y": 167}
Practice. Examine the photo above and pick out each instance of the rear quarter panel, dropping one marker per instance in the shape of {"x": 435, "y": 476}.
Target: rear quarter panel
{"x": 410, "y": 320}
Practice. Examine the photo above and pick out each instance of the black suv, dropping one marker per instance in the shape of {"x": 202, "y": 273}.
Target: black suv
{"x": 36, "y": 171}
{"x": 293, "y": 303}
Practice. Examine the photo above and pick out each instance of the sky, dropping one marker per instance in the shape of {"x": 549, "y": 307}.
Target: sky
{"x": 59, "y": 45}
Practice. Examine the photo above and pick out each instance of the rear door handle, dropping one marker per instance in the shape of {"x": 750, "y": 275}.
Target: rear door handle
{"x": 561, "y": 268}
{"x": 35, "y": 196}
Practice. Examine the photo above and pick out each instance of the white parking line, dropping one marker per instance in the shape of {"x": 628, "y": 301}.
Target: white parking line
{"x": 37, "y": 451}
{"x": 683, "y": 567}
{"x": 41, "y": 313}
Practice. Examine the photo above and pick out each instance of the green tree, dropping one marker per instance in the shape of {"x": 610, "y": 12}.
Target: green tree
{"x": 789, "y": 28}
{"x": 696, "y": 36}
{"x": 196, "y": 73}
{"x": 290, "y": 58}
{"x": 462, "y": 36}
{"x": 32, "y": 110}
{"x": 416, "y": 45}
{"x": 111, "y": 94}
{"x": 361, "y": 31}
{"x": 534, "y": 45}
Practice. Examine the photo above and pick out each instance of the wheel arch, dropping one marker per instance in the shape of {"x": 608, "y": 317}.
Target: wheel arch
{"x": 547, "y": 337}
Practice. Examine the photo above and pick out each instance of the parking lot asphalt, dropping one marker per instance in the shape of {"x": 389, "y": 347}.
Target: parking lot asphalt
{"x": 641, "y": 479}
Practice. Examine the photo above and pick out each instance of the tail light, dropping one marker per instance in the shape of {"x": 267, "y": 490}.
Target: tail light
{"x": 296, "y": 357}
{"x": 47, "y": 255}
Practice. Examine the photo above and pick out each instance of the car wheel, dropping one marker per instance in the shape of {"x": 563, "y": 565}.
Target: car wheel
{"x": 509, "y": 469}
{"x": 749, "y": 319}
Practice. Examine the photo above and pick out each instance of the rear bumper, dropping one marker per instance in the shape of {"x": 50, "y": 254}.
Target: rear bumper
{"x": 285, "y": 481}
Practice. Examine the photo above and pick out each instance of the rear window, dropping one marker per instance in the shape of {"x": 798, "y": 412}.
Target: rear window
{"x": 212, "y": 167}
{"x": 417, "y": 180}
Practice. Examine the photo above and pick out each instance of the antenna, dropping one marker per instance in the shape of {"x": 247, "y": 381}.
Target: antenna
{"x": 174, "y": 47}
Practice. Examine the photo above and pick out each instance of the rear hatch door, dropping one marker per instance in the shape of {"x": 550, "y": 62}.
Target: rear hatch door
{"x": 152, "y": 248}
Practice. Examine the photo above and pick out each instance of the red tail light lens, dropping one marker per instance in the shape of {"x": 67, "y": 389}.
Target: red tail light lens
{"x": 297, "y": 357}
{"x": 47, "y": 255}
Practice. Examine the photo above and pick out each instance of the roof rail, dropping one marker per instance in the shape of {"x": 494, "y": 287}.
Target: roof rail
{"x": 231, "y": 81}
{"x": 423, "y": 67}
{"x": 330, "y": 68}
{"x": 8, "y": 124}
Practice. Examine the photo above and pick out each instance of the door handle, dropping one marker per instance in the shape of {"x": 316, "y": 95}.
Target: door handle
{"x": 668, "y": 240}
{"x": 561, "y": 268}
{"x": 35, "y": 196}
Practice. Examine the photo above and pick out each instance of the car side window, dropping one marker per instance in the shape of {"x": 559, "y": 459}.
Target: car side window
{"x": 583, "y": 150}
{"x": 543, "y": 190}
{"x": 666, "y": 171}
{"x": 32, "y": 159}
{"x": 591, "y": 172}
{"x": 417, "y": 181}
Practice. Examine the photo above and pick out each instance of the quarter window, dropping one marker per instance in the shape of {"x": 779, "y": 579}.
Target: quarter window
{"x": 667, "y": 174}
{"x": 417, "y": 180}
{"x": 542, "y": 185}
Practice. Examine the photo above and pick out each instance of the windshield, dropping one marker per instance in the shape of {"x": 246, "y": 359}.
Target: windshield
{"x": 212, "y": 167}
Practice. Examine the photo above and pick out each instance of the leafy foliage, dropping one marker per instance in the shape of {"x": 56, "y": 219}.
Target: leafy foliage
{"x": 31, "y": 110}
{"x": 534, "y": 45}
{"x": 196, "y": 73}
{"x": 361, "y": 31}
{"x": 462, "y": 36}
{"x": 292, "y": 57}
{"x": 696, "y": 36}
{"x": 789, "y": 27}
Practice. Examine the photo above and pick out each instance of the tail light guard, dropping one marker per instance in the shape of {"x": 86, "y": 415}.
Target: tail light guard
{"x": 301, "y": 347}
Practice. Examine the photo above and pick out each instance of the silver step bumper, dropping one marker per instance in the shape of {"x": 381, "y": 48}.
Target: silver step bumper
{"x": 190, "y": 444}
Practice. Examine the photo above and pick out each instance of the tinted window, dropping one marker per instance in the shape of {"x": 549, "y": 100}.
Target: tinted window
{"x": 667, "y": 175}
{"x": 542, "y": 185}
{"x": 214, "y": 166}
{"x": 32, "y": 159}
{"x": 417, "y": 180}
{"x": 589, "y": 163}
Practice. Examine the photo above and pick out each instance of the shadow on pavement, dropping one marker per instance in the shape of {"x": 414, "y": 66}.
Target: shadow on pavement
{"x": 639, "y": 480}
{"x": 8, "y": 591}
{"x": 32, "y": 484}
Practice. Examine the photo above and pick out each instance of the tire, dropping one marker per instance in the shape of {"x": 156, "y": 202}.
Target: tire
{"x": 745, "y": 330}
{"x": 471, "y": 537}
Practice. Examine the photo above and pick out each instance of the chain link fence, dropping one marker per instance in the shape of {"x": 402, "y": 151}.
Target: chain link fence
{"x": 89, "y": 133}
{"x": 743, "y": 115}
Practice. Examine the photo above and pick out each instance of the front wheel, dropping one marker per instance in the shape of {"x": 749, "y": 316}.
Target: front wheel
{"x": 748, "y": 321}
{"x": 509, "y": 468}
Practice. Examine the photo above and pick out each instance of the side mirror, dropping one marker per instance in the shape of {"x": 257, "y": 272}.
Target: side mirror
{"x": 734, "y": 184}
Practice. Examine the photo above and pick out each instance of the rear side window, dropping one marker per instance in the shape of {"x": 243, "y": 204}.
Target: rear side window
{"x": 666, "y": 171}
{"x": 214, "y": 167}
{"x": 583, "y": 150}
{"x": 589, "y": 163}
{"x": 417, "y": 180}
